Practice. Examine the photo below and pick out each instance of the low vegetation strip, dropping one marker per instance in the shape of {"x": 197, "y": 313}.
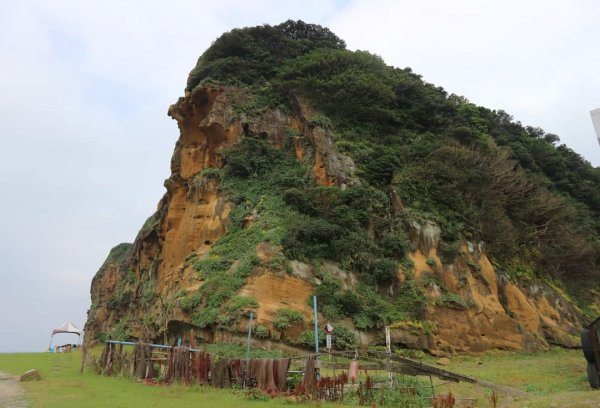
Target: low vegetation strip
{"x": 554, "y": 378}
{"x": 63, "y": 386}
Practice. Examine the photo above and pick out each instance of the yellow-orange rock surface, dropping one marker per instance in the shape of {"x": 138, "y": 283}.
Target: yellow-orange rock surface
{"x": 481, "y": 310}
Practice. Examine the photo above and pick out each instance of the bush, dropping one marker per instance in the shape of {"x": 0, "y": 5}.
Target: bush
{"x": 284, "y": 318}
{"x": 384, "y": 271}
{"x": 452, "y": 300}
{"x": 344, "y": 338}
{"x": 411, "y": 300}
{"x": 332, "y": 311}
{"x": 299, "y": 200}
{"x": 207, "y": 317}
{"x": 252, "y": 158}
{"x": 261, "y": 332}
{"x": 210, "y": 173}
{"x": 449, "y": 251}
{"x": 211, "y": 266}
{"x": 311, "y": 238}
{"x": 307, "y": 339}
{"x": 349, "y": 302}
{"x": 238, "y": 303}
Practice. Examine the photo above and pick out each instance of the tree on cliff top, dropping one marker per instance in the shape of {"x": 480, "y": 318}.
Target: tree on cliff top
{"x": 250, "y": 54}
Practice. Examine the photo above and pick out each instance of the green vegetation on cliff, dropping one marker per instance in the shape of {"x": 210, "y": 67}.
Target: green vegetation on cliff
{"x": 475, "y": 172}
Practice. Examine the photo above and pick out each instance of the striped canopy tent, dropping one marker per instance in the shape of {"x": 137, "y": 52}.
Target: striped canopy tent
{"x": 68, "y": 328}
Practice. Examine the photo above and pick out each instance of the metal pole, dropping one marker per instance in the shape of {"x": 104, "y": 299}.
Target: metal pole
{"x": 249, "y": 335}
{"x": 317, "y": 370}
{"x": 316, "y": 325}
{"x": 248, "y": 350}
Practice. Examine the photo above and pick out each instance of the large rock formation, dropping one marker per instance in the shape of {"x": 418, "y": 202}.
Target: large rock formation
{"x": 303, "y": 168}
{"x": 138, "y": 292}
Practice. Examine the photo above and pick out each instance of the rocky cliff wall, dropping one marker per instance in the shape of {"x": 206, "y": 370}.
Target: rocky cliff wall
{"x": 471, "y": 306}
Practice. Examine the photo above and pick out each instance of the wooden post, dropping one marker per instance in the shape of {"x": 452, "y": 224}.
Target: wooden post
{"x": 388, "y": 343}
{"x": 432, "y": 388}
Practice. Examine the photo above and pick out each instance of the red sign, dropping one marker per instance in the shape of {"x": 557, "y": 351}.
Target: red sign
{"x": 328, "y": 328}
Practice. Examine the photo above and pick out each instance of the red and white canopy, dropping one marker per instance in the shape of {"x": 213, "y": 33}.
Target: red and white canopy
{"x": 68, "y": 327}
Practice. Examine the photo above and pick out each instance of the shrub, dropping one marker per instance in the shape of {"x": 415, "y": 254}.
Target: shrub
{"x": 210, "y": 173}
{"x": 252, "y": 158}
{"x": 349, "y": 302}
{"x": 189, "y": 302}
{"x": 206, "y": 317}
{"x": 299, "y": 200}
{"x": 307, "y": 338}
{"x": 261, "y": 332}
{"x": 311, "y": 238}
{"x": 332, "y": 311}
{"x": 449, "y": 251}
{"x": 384, "y": 271}
{"x": 284, "y": 318}
{"x": 411, "y": 300}
{"x": 212, "y": 265}
{"x": 238, "y": 303}
{"x": 344, "y": 338}
{"x": 452, "y": 300}
{"x": 279, "y": 263}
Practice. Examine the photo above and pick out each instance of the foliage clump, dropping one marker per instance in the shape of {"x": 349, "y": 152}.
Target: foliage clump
{"x": 284, "y": 318}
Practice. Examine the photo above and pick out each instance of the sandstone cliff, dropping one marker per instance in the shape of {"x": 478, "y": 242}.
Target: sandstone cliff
{"x": 303, "y": 168}
{"x": 146, "y": 290}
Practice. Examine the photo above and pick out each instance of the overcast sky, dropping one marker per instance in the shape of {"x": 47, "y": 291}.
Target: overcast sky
{"x": 85, "y": 142}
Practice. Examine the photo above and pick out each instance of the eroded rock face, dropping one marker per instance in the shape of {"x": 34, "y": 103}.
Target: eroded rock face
{"x": 494, "y": 313}
{"x": 331, "y": 168}
{"x": 193, "y": 215}
{"x": 471, "y": 308}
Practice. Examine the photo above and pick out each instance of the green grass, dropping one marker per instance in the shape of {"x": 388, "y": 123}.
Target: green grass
{"x": 554, "y": 379}
{"x": 63, "y": 386}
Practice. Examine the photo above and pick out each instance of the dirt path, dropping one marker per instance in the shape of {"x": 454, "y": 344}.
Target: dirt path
{"x": 11, "y": 392}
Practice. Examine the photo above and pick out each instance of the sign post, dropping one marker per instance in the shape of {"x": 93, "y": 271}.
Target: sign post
{"x": 328, "y": 330}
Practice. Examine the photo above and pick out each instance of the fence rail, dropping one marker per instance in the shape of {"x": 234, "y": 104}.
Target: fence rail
{"x": 190, "y": 365}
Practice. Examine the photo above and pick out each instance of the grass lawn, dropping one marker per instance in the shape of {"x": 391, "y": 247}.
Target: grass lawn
{"x": 63, "y": 386}
{"x": 555, "y": 379}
